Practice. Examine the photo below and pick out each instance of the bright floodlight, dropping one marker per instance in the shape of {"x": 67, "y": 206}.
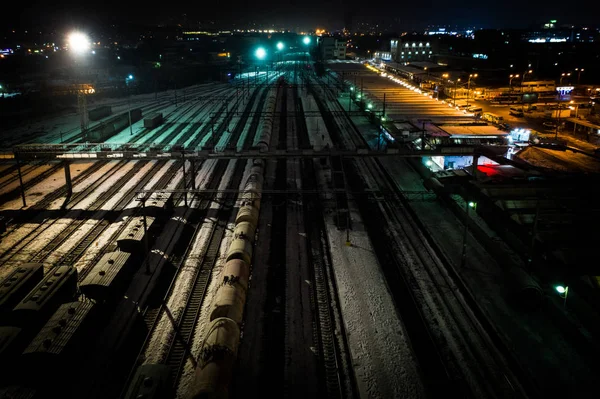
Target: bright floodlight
{"x": 472, "y": 204}
{"x": 260, "y": 53}
{"x": 130, "y": 77}
{"x": 79, "y": 42}
{"x": 306, "y": 40}
{"x": 560, "y": 289}
{"x": 279, "y": 46}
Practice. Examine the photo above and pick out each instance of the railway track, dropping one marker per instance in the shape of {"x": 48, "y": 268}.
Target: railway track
{"x": 339, "y": 380}
{"x": 41, "y": 228}
{"x": 180, "y": 344}
{"x": 464, "y": 358}
{"x": 103, "y": 198}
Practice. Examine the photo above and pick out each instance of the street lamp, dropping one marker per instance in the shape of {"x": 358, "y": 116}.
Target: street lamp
{"x": 510, "y": 80}
{"x": 127, "y": 80}
{"x": 260, "y": 53}
{"x": 463, "y": 259}
{"x": 525, "y": 74}
{"x": 562, "y": 75}
{"x": 79, "y": 43}
{"x": 455, "y": 86}
{"x": 469, "y": 86}
{"x": 306, "y": 40}
{"x": 579, "y": 73}
{"x": 563, "y": 291}
{"x": 280, "y": 46}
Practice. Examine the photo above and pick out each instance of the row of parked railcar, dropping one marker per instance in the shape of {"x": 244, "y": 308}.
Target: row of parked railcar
{"x": 44, "y": 317}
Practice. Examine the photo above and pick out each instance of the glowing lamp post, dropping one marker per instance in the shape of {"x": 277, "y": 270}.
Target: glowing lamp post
{"x": 280, "y": 46}
{"x": 306, "y": 40}
{"x": 79, "y": 43}
{"x": 469, "y": 86}
{"x": 563, "y": 291}
{"x": 127, "y": 80}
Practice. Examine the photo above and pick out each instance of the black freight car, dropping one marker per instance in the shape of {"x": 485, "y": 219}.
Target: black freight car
{"x": 98, "y": 113}
{"x": 59, "y": 340}
{"x": 58, "y": 286}
{"x": 154, "y": 120}
{"x": 108, "y": 278}
{"x": 151, "y": 381}
{"x": 132, "y": 237}
{"x": 18, "y": 283}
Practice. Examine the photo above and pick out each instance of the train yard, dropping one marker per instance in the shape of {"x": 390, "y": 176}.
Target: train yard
{"x": 225, "y": 277}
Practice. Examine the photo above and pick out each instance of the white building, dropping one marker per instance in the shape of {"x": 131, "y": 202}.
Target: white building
{"x": 332, "y": 48}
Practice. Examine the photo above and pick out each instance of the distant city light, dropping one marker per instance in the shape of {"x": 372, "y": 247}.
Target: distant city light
{"x": 306, "y": 40}
{"x": 79, "y": 42}
{"x": 260, "y": 53}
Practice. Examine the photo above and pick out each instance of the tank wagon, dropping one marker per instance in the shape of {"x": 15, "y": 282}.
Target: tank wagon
{"x": 109, "y": 277}
{"x": 58, "y": 286}
{"x": 18, "y": 283}
{"x": 219, "y": 349}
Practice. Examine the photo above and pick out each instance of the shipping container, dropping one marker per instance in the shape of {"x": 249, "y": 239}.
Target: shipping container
{"x": 153, "y": 120}
{"x": 100, "y": 112}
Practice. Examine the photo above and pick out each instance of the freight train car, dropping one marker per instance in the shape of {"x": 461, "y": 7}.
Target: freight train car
{"x": 109, "y": 128}
{"x": 18, "y": 283}
{"x": 60, "y": 340}
{"x": 217, "y": 358}
{"x": 108, "y": 278}
{"x": 58, "y": 286}
{"x": 133, "y": 236}
{"x": 154, "y": 120}
{"x": 98, "y": 113}
{"x": 151, "y": 381}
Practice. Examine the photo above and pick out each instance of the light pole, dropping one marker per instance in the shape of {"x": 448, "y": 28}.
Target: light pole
{"x": 469, "y": 86}
{"x": 128, "y": 79}
{"x": 511, "y": 77}
{"x": 80, "y": 44}
{"x": 563, "y": 75}
{"x": 455, "y": 86}
{"x": 523, "y": 80}
{"x": 563, "y": 291}
{"x": 445, "y": 77}
{"x": 463, "y": 259}
{"x": 260, "y": 54}
{"x": 579, "y": 73}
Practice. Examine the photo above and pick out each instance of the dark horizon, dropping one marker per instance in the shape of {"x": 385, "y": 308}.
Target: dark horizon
{"x": 307, "y": 14}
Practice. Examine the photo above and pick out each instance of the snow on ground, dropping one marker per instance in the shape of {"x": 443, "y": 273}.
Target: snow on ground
{"x": 26, "y": 175}
{"x": 106, "y": 236}
{"x": 204, "y": 319}
{"x": 53, "y": 182}
{"x": 567, "y": 161}
{"x": 68, "y": 123}
{"x": 317, "y": 132}
{"x": 91, "y": 222}
{"x": 381, "y": 353}
{"x": 159, "y": 342}
{"x": 255, "y": 108}
{"x": 62, "y": 223}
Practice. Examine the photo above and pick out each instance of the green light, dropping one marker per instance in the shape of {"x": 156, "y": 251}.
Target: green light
{"x": 383, "y": 118}
{"x": 280, "y": 46}
{"x": 370, "y": 106}
{"x": 560, "y": 289}
{"x": 472, "y": 204}
{"x": 306, "y": 40}
{"x": 260, "y": 53}
{"x": 358, "y": 96}
{"x": 352, "y": 89}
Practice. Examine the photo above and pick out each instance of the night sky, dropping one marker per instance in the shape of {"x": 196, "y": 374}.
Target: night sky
{"x": 312, "y": 13}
